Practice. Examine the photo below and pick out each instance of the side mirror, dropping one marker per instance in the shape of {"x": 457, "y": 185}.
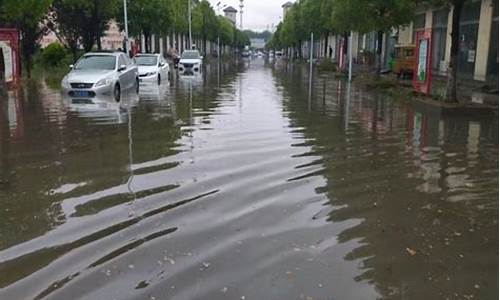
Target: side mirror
{"x": 201, "y": 57}
{"x": 122, "y": 67}
{"x": 162, "y": 64}
{"x": 71, "y": 66}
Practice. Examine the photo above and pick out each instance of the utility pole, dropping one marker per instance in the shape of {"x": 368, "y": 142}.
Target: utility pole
{"x": 190, "y": 34}
{"x": 311, "y": 67}
{"x": 127, "y": 47}
{"x": 350, "y": 57}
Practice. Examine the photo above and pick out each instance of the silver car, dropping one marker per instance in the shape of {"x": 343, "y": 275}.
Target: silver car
{"x": 100, "y": 73}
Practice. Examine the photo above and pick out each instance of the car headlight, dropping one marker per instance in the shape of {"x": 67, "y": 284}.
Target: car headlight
{"x": 65, "y": 82}
{"x": 103, "y": 82}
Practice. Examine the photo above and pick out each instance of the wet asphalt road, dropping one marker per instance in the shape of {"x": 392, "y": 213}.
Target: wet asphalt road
{"x": 236, "y": 185}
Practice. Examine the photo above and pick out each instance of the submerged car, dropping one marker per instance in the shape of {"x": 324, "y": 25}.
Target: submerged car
{"x": 101, "y": 74}
{"x": 191, "y": 62}
{"x": 152, "y": 68}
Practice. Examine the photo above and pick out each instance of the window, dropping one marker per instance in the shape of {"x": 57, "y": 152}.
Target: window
{"x": 96, "y": 62}
{"x": 122, "y": 60}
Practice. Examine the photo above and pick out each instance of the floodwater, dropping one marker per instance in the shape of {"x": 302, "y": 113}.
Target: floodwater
{"x": 238, "y": 185}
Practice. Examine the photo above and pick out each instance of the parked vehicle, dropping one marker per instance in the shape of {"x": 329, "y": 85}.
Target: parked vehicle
{"x": 101, "y": 73}
{"x": 279, "y": 54}
{"x": 404, "y": 60}
{"x": 152, "y": 68}
{"x": 191, "y": 62}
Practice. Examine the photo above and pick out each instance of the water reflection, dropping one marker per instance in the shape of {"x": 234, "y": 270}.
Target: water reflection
{"x": 420, "y": 181}
{"x": 242, "y": 183}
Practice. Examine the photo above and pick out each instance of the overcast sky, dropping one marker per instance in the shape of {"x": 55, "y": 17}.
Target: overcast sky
{"x": 257, "y": 14}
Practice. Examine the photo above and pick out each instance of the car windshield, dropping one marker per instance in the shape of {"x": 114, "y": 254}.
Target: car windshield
{"x": 190, "y": 55}
{"x": 146, "y": 60}
{"x": 96, "y": 62}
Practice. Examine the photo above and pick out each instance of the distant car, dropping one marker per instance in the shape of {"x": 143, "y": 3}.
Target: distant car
{"x": 191, "y": 61}
{"x": 246, "y": 54}
{"x": 101, "y": 73}
{"x": 279, "y": 54}
{"x": 152, "y": 68}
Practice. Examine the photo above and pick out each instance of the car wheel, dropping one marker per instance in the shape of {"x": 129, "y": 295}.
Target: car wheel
{"x": 117, "y": 93}
{"x": 159, "y": 79}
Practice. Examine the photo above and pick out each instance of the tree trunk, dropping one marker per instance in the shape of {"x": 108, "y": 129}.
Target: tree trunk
{"x": 98, "y": 40}
{"x": 451, "y": 84}
{"x": 325, "y": 51}
{"x": 147, "y": 40}
{"x": 380, "y": 39}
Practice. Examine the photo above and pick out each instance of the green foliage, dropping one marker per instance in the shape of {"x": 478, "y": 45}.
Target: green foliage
{"x": 28, "y": 17}
{"x": 225, "y": 30}
{"x": 204, "y": 22}
{"x": 371, "y": 15}
{"x": 53, "y": 55}
{"x": 147, "y": 16}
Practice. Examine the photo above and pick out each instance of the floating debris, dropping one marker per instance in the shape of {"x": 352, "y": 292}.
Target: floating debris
{"x": 411, "y": 251}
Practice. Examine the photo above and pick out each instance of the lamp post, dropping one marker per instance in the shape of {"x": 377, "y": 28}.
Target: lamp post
{"x": 126, "y": 26}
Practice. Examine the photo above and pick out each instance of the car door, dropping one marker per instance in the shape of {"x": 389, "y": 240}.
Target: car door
{"x": 131, "y": 71}
{"x": 123, "y": 75}
{"x": 163, "y": 67}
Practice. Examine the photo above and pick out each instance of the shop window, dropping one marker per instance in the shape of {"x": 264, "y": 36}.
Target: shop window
{"x": 439, "y": 31}
{"x": 492, "y": 71}
{"x": 469, "y": 25}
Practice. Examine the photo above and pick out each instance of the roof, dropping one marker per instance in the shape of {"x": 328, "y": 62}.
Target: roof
{"x": 288, "y": 4}
{"x": 230, "y": 9}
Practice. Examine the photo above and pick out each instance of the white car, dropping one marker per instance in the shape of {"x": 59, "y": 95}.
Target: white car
{"x": 152, "y": 68}
{"x": 101, "y": 73}
{"x": 191, "y": 62}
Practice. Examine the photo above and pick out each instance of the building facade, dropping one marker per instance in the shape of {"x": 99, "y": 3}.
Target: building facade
{"x": 230, "y": 13}
{"x": 478, "y": 49}
{"x": 111, "y": 40}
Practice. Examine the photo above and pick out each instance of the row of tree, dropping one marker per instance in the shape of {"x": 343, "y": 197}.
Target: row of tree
{"x": 325, "y": 17}
{"x": 83, "y": 22}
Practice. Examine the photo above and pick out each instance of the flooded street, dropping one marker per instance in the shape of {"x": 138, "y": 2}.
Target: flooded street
{"x": 237, "y": 185}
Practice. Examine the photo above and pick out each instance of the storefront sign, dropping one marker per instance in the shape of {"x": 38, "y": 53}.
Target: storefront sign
{"x": 422, "y": 72}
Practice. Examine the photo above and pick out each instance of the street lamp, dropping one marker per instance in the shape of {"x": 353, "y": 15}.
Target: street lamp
{"x": 126, "y": 26}
{"x": 241, "y": 14}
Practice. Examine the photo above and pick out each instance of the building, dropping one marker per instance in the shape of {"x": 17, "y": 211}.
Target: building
{"x": 112, "y": 39}
{"x": 257, "y": 43}
{"x": 230, "y": 13}
{"x": 286, "y": 7}
{"x": 478, "y": 49}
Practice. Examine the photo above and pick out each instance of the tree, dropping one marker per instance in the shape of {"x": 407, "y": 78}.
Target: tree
{"x": 225, "y": 30}
{"x": 28, "y": 16}
{"x": 364, "y": 16}
{"x": 147, "y": 17}
{"x": 204, "y": 22}
{"x": 81, "y": 21}
{"x": 451, "y": 83}
{"x": 457, "y": 6}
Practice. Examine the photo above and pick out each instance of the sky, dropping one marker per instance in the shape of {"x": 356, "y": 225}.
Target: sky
{"x": 258, "y": 15}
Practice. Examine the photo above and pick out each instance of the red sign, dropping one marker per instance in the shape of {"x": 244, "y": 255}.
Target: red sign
{"x": 9, "y": 46}
{"x": 423, "y": 54}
